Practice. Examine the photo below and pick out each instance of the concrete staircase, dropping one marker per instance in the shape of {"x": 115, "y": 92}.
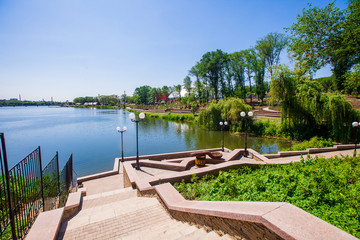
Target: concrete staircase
{"x": 120, "y": 214}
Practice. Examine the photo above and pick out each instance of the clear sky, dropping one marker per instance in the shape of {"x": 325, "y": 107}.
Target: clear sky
{"x": 69, "y": 48}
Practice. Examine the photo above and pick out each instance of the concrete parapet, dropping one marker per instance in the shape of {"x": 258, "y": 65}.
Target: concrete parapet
{"x": 249, "y": 220}
{"x": 95, "y": 176}
{"x": 46, "y": 226}
{"x": 310, "y": 151}
{"x": 163, "y": 156}
{"x": 48, "y": 223}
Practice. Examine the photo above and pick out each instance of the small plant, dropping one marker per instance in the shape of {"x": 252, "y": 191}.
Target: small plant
{"x": 326, "y": 188}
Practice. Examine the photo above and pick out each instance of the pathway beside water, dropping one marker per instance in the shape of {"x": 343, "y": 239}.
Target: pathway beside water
{"x": 110, "y": 211}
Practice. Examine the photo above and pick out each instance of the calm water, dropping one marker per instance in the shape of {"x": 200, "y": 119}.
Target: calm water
{"x": 90, "y": 134}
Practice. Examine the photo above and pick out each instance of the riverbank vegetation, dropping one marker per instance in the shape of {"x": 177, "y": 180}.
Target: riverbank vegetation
{"x": 221, "y": 85}
{"x": 326, "y": 188}
{"x": 15, "y": 103}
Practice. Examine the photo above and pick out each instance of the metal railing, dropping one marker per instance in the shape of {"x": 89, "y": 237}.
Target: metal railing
{"x": 26, "y": 190}
{"x": 7, "y": 227}
{"x": 66, "y": 180}
{"x": 51, "y": 182}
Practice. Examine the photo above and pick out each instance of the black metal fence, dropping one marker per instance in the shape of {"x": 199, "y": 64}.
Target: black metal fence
{"x": 51, "y": 183}
{"x": 26, "y": 190}
{"x": 66, "y": 180}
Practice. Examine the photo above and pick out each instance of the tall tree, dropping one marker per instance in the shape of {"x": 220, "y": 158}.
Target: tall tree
{"x": 249, "y": 57}
{"x": 270, "y": 47}
{"x": 238, "y": 69}
{"x": 227, "y": 87}
{"x": 166, "y": 91}
{"x": 211, "y": 69}
{"x": 259, "y": 70}
{"x": 327, "y": 35}
{"x": 187, "y": 85}
{"x": 141, "y": 94}
{"x": 199, "y": 86}
{"x": 177, "y": 89}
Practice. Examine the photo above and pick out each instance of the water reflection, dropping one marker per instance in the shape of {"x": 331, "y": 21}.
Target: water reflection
{"x": 91, "y": 135}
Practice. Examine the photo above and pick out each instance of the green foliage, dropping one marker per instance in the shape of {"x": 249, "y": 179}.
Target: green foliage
{"x": 13, "y": 103}
{"x": 327, "y": 35}
{"x": 211, "y": 67}
{"x": 352, "y": 81}
{"x": 328, "y": 83}
{"x": 226, "y": 110}
{"x": 178, "y": 117}
{"x": 268, "y": 128}
{"x": 326, "y": 188}
{"x": 308, "y": 110}
{"x": 314, "y": 142}
{"x": 270, "y": 47}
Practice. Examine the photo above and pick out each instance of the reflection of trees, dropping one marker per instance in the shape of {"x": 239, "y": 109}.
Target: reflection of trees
{"x": 193, "y": 137}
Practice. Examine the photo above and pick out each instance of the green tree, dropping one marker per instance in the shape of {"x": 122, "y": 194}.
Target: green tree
{"x": 260, "y": 78}
{"x": 166, "y": 90}
{"x": 352, "y": 82}
{"x": 324, "y": 36}
{"x": 250, "y": 62}
{"x": 211, "y": 69}
{"x": 238, "y": 69}
{"x": 178, "y": 90}
{"x": 307, "y": 109}
{"x": 187, "y": 85}
{"x": 141, "y": 94}
{"x": 270, "y": 47}
{"x": 201, "y": 90}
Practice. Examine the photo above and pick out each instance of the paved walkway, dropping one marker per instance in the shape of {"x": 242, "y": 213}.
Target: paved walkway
{"x": 112, "y": 212}
{"x": 297, "y": 158}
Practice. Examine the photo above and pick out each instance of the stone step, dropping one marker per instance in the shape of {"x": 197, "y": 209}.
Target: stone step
{"x": 117, "y": 218}
{"x": 108, "y": 197}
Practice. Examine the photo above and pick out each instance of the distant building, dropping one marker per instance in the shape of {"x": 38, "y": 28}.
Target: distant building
{"x": 13, "y": 99}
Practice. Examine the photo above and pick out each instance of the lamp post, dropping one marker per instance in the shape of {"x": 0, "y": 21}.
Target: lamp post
{"x": 133, "y": 119}
{"x": 122, "y": 145}
{"x": 243, "y": 114}
{"x": 222, "y": 124}
{"x": 356, "y": 126}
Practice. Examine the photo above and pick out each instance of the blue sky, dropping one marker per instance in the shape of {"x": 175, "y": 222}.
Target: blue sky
{"x": 64, "y": 49}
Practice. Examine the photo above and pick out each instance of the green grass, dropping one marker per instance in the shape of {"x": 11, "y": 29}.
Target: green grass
{"x": 314, "y": 142}
{"x": 182, "y": 117}
{"x": 326, "y": 188}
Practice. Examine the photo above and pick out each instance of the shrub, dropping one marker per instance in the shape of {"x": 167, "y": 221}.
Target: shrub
{"x": 326, "y": 188}
{"x": 314, "y": 142}
{"x": 226, "y": 110}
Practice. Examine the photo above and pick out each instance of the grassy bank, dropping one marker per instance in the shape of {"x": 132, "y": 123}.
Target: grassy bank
{"x": 326, "y": 188}
{"x": 97, "y": 106}
{"x": 182, "y": 117}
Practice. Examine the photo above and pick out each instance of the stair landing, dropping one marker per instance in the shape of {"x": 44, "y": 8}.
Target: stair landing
{"x": 120, "y": 214}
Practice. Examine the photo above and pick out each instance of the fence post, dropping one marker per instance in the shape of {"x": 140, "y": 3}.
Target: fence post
{"x": 7, "y": 177}
{"x": 41, "y": 177}
{"x": 58, "y": 172}
{"x": 71, "y": 170}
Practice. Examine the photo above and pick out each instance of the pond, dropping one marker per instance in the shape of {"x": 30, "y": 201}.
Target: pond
{"x": 90, "y": 134}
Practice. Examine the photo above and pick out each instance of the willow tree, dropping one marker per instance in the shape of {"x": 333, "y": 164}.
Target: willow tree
{"x": 228, "y": 110}
{"x": 306, "y": 106}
